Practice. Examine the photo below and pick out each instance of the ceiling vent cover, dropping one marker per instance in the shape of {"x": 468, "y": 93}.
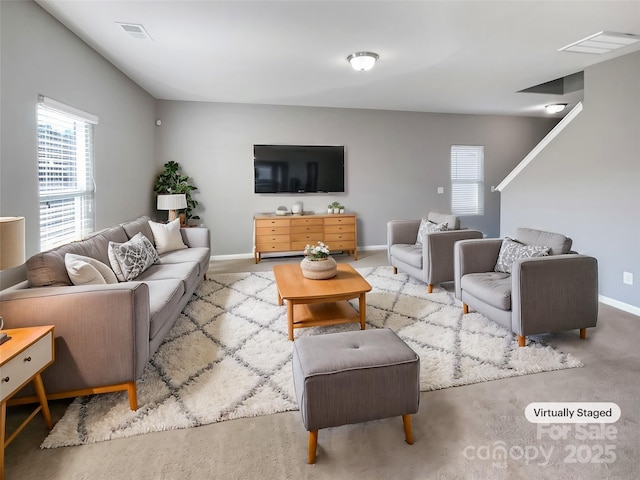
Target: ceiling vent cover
{"x": 601, "y": 42}
{"x": 135, "y": 30}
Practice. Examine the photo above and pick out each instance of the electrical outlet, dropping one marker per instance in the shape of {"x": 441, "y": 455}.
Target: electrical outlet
{"x": 627, "y": 278}
{"x": 440, "y": 190}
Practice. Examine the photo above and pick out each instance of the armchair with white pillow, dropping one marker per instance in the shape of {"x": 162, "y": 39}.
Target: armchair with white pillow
{"x": 424, "y": 248}
{"x": 530, "y": 285}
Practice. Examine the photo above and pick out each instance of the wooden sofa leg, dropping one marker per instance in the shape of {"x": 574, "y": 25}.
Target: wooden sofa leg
{"x": 313, "y": 443}
{"x": 133, "y": 395}
{"x": 583, "y": 333}
{"x": 395, "y": 270}
{"x": 430, "y": 288}
{"x": 408, "y": 435}
{"x": 465, "y": 308}
{"x": 522, "y": 341}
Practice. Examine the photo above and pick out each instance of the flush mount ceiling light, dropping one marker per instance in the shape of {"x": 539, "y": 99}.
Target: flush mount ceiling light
{"x": 362, "y": 61}
{"x": 601, "y": 42}
{"x": 555, "y": 108}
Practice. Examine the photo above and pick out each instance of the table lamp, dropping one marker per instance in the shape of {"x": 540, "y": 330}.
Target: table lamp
{"x": 172, "y": 202}
{"x": 11, "y": 244}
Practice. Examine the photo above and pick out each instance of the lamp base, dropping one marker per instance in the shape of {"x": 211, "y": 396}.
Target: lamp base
{"x": 173, "y": 214}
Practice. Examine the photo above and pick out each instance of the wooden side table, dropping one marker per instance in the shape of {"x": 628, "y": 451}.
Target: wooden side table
{"x": 22, "y": 359}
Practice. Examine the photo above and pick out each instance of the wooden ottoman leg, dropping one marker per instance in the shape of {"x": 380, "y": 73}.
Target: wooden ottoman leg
{"x": 408, "y": 435}
{"x": 313, "y": 443}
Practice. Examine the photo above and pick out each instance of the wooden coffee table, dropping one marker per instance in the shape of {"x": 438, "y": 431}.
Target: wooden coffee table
{"x": 313, "y": 303}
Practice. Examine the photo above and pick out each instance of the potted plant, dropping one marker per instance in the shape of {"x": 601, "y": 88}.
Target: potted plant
{"x": 172, "y": 181}
{"x": 334, "y": 207}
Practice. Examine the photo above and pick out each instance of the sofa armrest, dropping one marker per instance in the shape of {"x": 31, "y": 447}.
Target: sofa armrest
{"x": 101, "y": 331}
{"x": 196, "y": 237}
{"x": 438, "y": 252}
{"x": 474, "y": 256}
{"x": 554, "y": 293}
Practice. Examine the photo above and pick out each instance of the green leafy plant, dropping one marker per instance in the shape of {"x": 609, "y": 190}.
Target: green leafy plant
{"x": 172, "y": 181}
{"x": 334, "y": 205}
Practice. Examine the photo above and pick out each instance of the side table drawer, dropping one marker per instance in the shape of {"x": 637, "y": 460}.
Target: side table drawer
{"x": 20, "y": 369}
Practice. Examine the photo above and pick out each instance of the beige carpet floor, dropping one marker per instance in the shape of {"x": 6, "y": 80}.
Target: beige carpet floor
{"x": 453, "y": 429}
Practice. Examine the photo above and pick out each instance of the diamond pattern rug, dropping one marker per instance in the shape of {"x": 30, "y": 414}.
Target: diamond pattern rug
{"x": 228, "y": 356}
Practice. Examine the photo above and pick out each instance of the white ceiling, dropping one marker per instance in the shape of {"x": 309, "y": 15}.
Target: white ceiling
{"x": 435, "y": 56}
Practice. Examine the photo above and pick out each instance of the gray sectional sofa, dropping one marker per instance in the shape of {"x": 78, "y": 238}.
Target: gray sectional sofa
{"x": 105, "y": 334}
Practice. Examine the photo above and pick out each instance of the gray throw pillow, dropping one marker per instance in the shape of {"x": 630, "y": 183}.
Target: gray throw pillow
{"x": 427, "y": 227}
{"x": 130, "y": 259}
{"x": 511, "y": 250}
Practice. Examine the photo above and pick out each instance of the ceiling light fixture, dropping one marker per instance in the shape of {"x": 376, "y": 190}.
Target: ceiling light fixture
{"x": 555, "y": 107}
{"x": 601, "y": 42}
{"x": 362, "y": 61}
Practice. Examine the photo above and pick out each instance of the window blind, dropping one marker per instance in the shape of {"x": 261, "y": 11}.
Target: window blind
{"x": 467, "y": 180}
{"x": 65, "y": 174}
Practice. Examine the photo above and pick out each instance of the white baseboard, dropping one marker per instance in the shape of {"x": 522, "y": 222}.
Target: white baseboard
{"x": 619, "y": 305}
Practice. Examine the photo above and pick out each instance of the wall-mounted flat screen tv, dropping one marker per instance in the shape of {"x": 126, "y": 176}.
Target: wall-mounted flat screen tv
{"x": 298, "y": 168}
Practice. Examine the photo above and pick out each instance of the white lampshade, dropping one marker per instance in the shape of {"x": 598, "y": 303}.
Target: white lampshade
{"x": 172, "y": 202}
{"x": 11, "y": 242}
{"x": 362, "y": 61}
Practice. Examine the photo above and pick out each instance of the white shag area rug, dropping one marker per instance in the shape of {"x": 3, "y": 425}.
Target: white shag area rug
{"x": 228, "y": 356}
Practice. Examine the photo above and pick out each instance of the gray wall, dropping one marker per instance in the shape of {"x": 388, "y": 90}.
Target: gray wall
{"x": 394, "y": 161}
{"x": 585, "y": 183}
{"x": 40, "y": 56}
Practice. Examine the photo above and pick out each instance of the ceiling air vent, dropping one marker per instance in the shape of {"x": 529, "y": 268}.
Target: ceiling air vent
{"x": 135, "y": 30}
{"x": 601, "y": 42}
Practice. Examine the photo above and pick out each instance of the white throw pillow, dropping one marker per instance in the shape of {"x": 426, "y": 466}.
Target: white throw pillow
{"x": 427, "y": 227}
{"x": 131, "y": 258}
{"x": 167, "y": 236}
{"x": 88, "y": 271}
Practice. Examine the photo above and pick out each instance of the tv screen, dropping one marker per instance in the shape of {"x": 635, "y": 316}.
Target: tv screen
{"x": 298, "y": 168}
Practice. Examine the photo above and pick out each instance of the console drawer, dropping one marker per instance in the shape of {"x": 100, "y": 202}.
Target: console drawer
{"x": 20, "y": 369}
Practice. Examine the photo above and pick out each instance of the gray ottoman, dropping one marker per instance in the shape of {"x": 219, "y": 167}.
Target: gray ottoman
{"x": 353, "y": 377}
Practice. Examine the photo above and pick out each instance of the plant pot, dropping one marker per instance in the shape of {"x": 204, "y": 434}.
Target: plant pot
{"x": 321, "y": 269}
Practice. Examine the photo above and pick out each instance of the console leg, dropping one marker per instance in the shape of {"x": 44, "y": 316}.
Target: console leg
{"x": 583, "y": 333}
{"x": 522, "y": 341}
{"x": 395, "y": 271}
{"x": 465, "y": 308}
{"x": 430, "y": 288}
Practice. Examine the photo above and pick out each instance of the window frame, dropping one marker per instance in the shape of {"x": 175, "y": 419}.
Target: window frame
{"x": 66, "y": 158}
{"x": 467, "y": 180}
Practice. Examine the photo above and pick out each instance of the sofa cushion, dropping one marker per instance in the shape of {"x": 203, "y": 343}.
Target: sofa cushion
{"x": 493, "y": 288}
{"x": 131, "y": 258}
{"x": 186, "y": 272}
{"x": 88, "y": 271}
{"x": 47, "y": 269}
{"x": 558, "y": 244}
{"x": 167, "y": 236}
{"x": 410, "y": 254}
{"x": 427, "y": 227}
{"x": 139, "y": 225}
{"x": 511, "y": 250}
{"x": 200, "y": 255}
{"x": 164, "y": 299}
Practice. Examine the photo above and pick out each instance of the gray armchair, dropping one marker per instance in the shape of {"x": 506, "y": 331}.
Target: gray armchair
{"x": 541, "y": 294}
{"x": 432, "y": 261}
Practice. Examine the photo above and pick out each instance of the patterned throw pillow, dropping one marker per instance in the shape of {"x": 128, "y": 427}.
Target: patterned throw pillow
{"x": 427, "y": 227}
{"x": 511, "y": 250}
{"x": 130, "y": 259}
